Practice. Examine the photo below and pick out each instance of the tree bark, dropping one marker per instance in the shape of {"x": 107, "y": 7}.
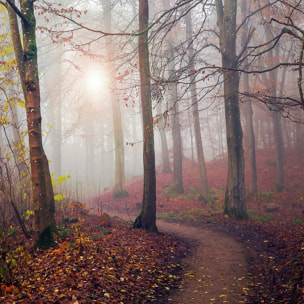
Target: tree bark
{"x": 279, "y": 150}
{"x": 249, "y": 115}
{"x": 164, "y": 143}
{"x": 15, "y": 34}
{"x": 147, "y": 217}
{"x": 176, "y": 133}
{"x": 42, "y": 189}
{"x": 235, "y": 204}
{"x": 276, "y": 118}
{"x": 300, "y": 143}
{"x": 177, "y": 143}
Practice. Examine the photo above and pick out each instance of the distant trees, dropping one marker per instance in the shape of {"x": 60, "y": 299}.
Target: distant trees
{"x": 119, "y": 183}
{"x": 273, "y": 58}
{"x": 204, "y": 188}
{"x": 290, "y": 24}
{"x": 249, "y": 141}
{"x": 197, "y": 62}
{"x": 174, "y": 111}
{"x": 164, "y": 142}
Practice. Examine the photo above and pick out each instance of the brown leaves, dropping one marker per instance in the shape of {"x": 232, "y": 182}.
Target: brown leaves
{"x": 103, "y": 261}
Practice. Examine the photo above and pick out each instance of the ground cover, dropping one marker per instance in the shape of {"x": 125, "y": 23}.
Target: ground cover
{"x": 101, "y": 260}
{"x": 274, "y": 233}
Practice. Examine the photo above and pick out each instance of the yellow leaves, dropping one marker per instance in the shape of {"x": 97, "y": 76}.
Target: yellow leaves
{"x": 59, "y": 197}
{"x": 107, "y": 295}
{"x": 7, "y": 52}
{"x": 7, "y": 155}
{"x": 61, "y": 179}
{"x": 28, "y": 214}
{"x": 2, "y": 8}
{"x": 20, "y": 104}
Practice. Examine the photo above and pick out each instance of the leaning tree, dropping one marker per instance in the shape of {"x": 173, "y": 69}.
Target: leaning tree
{"x": 26, "y": 57}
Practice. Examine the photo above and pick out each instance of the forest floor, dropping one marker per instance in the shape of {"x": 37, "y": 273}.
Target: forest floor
{"x": 260, "y": 260}
{"x": 201, "y": 256}
{"x": 214, "y": 267}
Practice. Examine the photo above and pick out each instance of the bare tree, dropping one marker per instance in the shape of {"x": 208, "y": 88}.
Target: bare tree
{"x": 235, "y": 203}
{"x": 147, "y": 217}
{"x": 119, "y": 184}
{"x": 204, "y": 189}
{"x": 248, "y": 111}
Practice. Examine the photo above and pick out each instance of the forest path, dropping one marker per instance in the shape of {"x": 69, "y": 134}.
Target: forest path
{"x": 215, "y": 269}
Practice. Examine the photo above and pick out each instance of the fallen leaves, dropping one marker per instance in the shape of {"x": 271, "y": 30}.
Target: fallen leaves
{"x": 278, "y": 271}
{"x": 128, "y": 266}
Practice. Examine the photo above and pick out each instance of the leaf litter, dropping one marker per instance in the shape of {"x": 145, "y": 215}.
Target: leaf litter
{"x": 104, "y": 261}
{"x": 99, "y": 262}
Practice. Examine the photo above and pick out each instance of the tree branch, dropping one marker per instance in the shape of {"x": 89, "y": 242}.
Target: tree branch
{"x": 16, "y": 9}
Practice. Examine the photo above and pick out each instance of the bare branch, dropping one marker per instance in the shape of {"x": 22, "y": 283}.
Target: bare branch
{"x": 16, "y": 9}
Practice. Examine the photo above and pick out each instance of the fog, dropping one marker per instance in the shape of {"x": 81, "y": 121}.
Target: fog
{"x": 79, "y": 81}
{"x": 77, "y": 111}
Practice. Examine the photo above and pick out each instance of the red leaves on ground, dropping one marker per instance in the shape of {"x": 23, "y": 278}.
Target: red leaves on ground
{"x": 276, "y": 239}
{"x": 103, "y": 261}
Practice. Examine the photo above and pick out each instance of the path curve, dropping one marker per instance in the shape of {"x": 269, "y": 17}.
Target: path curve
{"x": 215, "y": 269}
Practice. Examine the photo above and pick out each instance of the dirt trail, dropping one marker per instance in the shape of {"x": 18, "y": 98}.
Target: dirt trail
{"x": 215, "y": 269}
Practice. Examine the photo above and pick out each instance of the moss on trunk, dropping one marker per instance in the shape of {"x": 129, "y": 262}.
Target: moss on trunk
{"x": 46, "y": 237}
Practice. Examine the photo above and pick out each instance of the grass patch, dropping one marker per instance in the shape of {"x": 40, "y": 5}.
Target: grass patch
{"x": 168, "y": 216}
{"x": 252, "y": 214}
{"x": 298, "y": 220}
{"x": 191, "y": 193}
{"x": 170, "y": 192}
{"x": 265, "y": 196}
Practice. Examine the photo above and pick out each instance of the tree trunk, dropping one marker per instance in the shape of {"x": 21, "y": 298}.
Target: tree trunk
{"x": 177, "y": 144}
{"x": 164, "y": 143}
{"x": 89, "y": 152}
{"x": 147, "y": 217}
{"x": 251, "y": 142}
{"x": 279, "y": 150}
{"x": 300, "y": 143}
{"x": 191, "y": 139}
{"x": 249, "y": 114}
{"x": 204, "y": 189}
{"x": 276, "y": 118}
{"x": 235, "y": 203}
{"x": 55, "y": 111}
{"x": 42, "y": 189}
{"x": 15, "y": 34}
{"x": 119, "y": 184}
{"x": 176, "y": 133}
